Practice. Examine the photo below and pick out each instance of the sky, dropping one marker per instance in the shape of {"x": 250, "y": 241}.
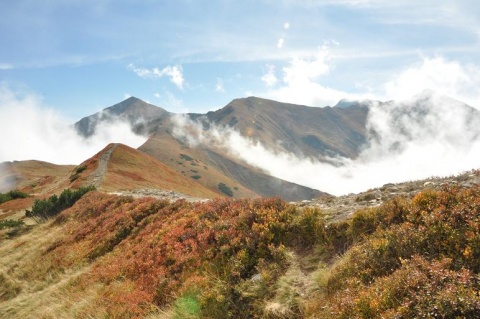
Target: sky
{"x": 61, "y": 60}
{"x": 79, "y": 56}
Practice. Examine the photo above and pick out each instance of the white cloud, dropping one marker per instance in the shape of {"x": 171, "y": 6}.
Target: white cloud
{"x": 269, "y": 77}
{"x": 441, "y": 142}
{"x": 34, "y": 131}
{"x": 280, "y": 43}
{"x": 126, "y": 96}
{"x": 300, "y": 81}
{"x": 157, "y": 95}
{"x": 286, "y": 25}
{"x": 219, "y": 86}
{"x": 303, "y": 78}
{"x": 451, "y": 78}
{"x": 174, "y": 73}
{"x": 307, "y": 69}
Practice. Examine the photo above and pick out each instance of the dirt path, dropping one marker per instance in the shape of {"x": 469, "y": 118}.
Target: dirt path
{"x": 159, "y": 194}
{"x": 102, "y": 166}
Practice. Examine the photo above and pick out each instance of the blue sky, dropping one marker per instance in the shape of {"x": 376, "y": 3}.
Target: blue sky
{"x": 79, "y": 56}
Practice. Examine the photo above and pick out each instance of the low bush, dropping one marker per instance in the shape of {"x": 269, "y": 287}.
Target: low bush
{"x": 10, "y": 223}
{"x": 225, "y": 189}
{"x": 417, "y": 258}
{"x": 43, "y": 209}
{"x": 76, "y": 173}
{"x": 264, "y": 258}
{"x": 5, "y": 197}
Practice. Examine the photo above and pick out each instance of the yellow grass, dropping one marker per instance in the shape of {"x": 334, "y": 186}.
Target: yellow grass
{"x": 35, "y": 287}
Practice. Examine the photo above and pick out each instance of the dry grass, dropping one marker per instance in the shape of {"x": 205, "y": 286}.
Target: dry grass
{"x": 131, "y": 169}
{"x": 37, "y": 177}
{"x": 32, "y": 286}
{"x": 293, "y": 288}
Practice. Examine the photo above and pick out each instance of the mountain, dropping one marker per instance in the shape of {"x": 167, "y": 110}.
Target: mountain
{"x": 208, "y": 166}
{"x": 199, "y": 173}
{"x": 134, "y": 110}
{"x": 319, "y": 133}
{"x": 298, "y": 129}
{"x": 407, "y": 250}
{"x": 302, "y": 130}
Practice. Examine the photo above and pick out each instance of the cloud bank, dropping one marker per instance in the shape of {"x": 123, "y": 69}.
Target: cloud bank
{"x": 428, "y": 135}
{"x": 301, "y": 81}
{"x": 451, "y": 78}
{"x": 33, "y": 131}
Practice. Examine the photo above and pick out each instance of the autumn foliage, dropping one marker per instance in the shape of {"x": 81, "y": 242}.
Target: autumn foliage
{"x": 414, "y": 259}
{"x": 159, "y": 251}
{"x": 225, "y": 258}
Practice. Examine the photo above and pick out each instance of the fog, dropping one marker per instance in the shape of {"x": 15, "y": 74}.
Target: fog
{"x": 31, "y": 130}
{"x": 427, "y": 135}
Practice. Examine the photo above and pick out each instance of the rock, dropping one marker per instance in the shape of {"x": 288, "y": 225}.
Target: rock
{"x": 256, "y": 277}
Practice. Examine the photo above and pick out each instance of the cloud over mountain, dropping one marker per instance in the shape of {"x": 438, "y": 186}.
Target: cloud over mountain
{"x": 32, "y": 130}
{"x": 427, "y": 135}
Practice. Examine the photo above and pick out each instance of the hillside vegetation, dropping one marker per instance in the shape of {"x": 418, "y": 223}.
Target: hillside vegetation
{"x": 119, "y": 257}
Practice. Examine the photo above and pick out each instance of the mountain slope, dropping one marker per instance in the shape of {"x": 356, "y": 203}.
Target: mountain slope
{"x": 261, "y": 183}
{"x": 122, "y": 257}
{"x": 33, "y": 176}
{"x": 134, "y": 110}
{"x": 119, "y": 167}
{"x": 213, "y": 167}
{"x": 302, "y": 130}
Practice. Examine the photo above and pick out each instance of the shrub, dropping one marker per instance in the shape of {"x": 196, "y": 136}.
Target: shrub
{"x": 308, "y": 228}
{"x": 186, "y": 157}
{"x": 11, "y": 195}
{"x": 76, "y": 173}
{"x": 43, "y": 209}
{"x": 10, "y": 223}
{"x": 417, "y": 258}
{"x": 225, "y": 189}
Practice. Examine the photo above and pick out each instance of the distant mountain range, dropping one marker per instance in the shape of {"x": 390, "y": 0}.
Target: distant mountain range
{"x": 167, "y": 161}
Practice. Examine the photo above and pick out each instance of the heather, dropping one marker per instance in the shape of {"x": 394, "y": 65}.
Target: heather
{"x": 122, "y": 257}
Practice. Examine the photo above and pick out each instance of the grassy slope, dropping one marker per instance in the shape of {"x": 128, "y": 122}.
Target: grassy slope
{"x": 35, "y": 176}
{"x": 38, "y": 178}
{"x": 131, "y": 169}
{"x": 172, "y": 153}
{"x": 119, "y": 257}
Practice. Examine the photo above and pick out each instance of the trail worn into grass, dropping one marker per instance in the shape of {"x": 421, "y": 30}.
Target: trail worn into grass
{"x": 99, "y": 174}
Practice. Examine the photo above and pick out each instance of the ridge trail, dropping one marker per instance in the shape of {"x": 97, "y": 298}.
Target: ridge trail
{"x": 102, "y": 166}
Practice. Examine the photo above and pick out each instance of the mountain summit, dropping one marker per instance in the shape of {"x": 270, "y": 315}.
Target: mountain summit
{"x": 134, "y": 110}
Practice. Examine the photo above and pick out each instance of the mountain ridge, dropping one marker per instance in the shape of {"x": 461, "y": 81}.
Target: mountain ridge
{"x": 304, "y": 131}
